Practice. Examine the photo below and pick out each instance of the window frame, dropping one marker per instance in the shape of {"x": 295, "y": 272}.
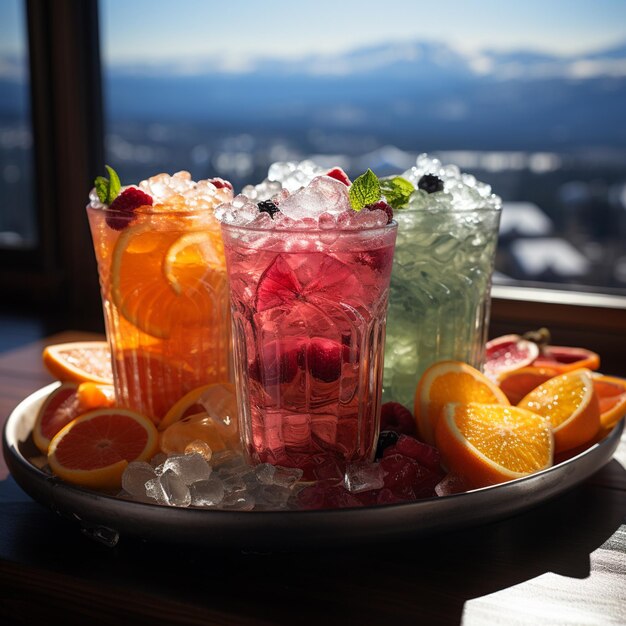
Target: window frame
{"x": 68, "y": 129}
{"x": 68, "y": 147}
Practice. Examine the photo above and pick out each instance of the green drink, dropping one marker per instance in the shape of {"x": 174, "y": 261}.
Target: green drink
{"x": 441, "y": 280}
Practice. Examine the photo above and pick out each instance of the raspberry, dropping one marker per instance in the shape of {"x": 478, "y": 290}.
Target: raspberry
{"x": 325, "y": 358}
{"x": 381, "y": 205}
{"x": 338, "y": 174}
{"x": 395, "y": 416}
{"x": 126, "y": 203}
{"x": 220, "y": 183}
{"x": 430, "y": 183}
{"x": 267, "y": 206}
{"x": 425, "y": 455}
{"x": 407, "y": 479}
{"x": 279, "y": 363}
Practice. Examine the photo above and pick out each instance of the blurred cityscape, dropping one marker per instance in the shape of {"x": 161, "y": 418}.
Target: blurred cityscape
{"x": 547, "y": 133}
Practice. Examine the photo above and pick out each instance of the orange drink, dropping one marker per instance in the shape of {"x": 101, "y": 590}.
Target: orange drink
{"x": 163, "y": 283}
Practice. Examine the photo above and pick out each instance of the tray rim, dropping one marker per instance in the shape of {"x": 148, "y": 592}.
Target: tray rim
{"x": 102, "y": 515}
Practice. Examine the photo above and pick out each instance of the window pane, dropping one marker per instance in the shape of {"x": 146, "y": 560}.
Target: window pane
{"x": 535, "y": 110}
{"x": 17, "y": 214}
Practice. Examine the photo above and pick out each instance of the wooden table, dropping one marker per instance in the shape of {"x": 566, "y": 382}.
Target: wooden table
{"x": 561, "y": 563}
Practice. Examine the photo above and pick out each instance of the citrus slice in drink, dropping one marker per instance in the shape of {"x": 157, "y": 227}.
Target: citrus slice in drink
{"x": 163, "y": 279}
{"x": 79, "y": 361}
{"x": 611, "y": 392}
{"x": 516, "y": 384}
{"x": 58, "y": 410}
{"x": 450, "y": 381}
{"x": 488, "y": 444}
{"x": 570, "y": 403}
{"x": 94, "y": 449}
{"x": 206, "y": 414}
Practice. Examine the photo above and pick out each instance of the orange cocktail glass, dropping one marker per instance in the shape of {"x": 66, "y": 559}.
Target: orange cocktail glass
{"x": 164, "y": 291}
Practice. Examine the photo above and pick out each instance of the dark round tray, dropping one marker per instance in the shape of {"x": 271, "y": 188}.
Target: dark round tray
{"x": 107, "y": 518}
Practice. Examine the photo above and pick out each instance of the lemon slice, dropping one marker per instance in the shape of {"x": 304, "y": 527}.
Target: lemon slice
{"x": 190, "y": 258}
{"x": 163, "y": 280}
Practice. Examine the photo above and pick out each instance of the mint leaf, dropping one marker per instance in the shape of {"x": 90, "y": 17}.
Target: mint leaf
{"x": 114, "y": 184}
{"x": 108, "y": 188}
{"x": 364, "y": 190}
{"x": 102, "y": 188}
{"x": 397, "y": 191}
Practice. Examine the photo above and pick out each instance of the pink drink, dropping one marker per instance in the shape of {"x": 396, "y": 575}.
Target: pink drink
{"x": 309, "y": 309}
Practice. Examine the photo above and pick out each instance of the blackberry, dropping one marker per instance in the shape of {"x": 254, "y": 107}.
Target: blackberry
{"x": 267, "y": 206}
{"x": 386, "y": 439}
{"x": 430, "y": 183}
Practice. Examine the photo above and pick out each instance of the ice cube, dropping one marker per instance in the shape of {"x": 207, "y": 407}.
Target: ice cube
{"x": 287, "y": 476}
{"x": 238, "y": 501}
{"x": 208, "y": 492}
{"x": 135, "y": 477}
{"x": 175, "y": 491}
{"x": 271, "y": 496}
{"x": 158, "y": 459}
{"x": 265, "y": 473}
{"x": 188, "y": 467}
{"x": 363, "y": 476}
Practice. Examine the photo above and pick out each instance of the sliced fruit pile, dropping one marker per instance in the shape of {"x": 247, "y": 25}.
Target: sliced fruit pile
{"x": 486, "y": 440}
{"x": 89, "y": 442}
{"x": 531, "y": 353}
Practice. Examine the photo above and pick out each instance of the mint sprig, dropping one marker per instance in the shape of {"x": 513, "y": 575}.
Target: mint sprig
{"x": 364, "y": 190}
{"x": 108, "y": 188}
{"x": 397, "y": 191}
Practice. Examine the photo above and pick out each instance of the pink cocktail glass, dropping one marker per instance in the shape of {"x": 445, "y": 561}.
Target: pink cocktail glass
{"x": 309, "y": 310}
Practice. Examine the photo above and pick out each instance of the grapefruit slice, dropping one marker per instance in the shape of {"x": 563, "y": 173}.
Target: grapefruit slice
{"x": 517, "y": 383}
{"x": 79, "y": 361}
{"x": 281, "y": 285}
{"x": 567, "y": 359}
{"x": 59, "y": 409}
{"x": 611, "y": 393}
{"x": 508, "y": 353}
{"x": 94, "y": 449}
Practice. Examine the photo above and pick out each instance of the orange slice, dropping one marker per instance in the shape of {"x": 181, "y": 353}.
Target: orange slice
{"x": 79, "y": 361}
{"x": 94, "y": 449}
{"x": 518, "y": 383}
{"x": 489, "y": 444}
{"x": 611, "y": 392}
{"x": 164, "y": 279}
{"x": 59, "y": 409}
{"x": 218, "y": 400}
{"x": 570, "y": 402}
{"x": 450, "y": 381}
{"x": 207, "y": 414}
{"x": 94, "y": 396}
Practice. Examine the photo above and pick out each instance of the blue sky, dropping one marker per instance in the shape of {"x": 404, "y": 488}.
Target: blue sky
{"x": 150, "y": 30}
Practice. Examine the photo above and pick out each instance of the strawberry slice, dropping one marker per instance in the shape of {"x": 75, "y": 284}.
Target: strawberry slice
{"x": 338, "y": 174}
{"x": 220, "y": 183}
